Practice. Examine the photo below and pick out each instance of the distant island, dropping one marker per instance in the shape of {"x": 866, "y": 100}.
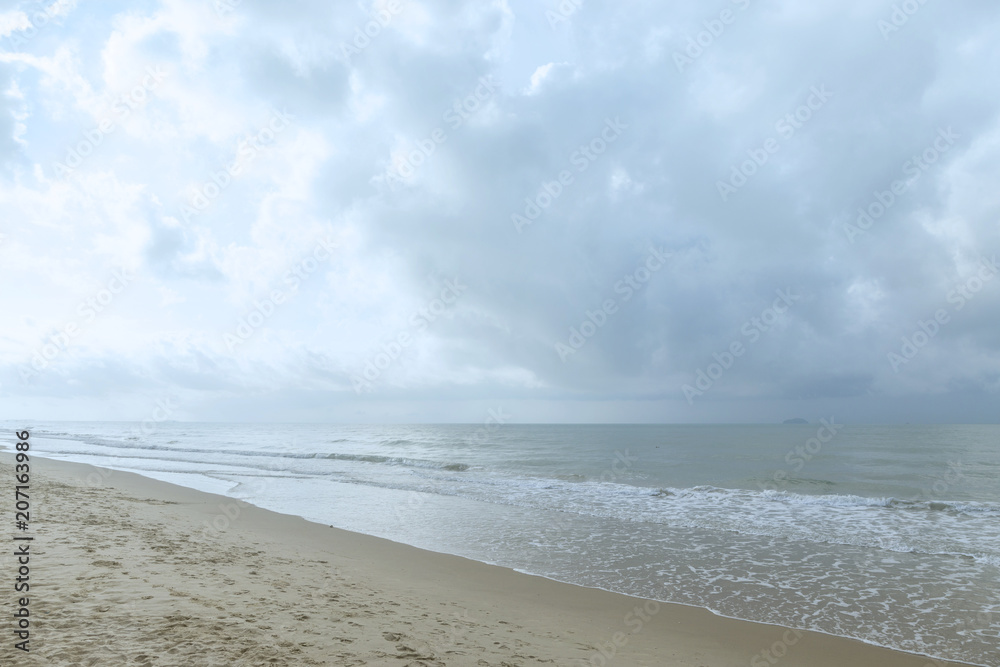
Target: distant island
{"x": 797, "y": 420}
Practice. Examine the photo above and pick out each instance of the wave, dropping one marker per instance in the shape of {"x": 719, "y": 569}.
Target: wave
{"x": 766, "y": 482}
{"x": 450, "y": 466}
{"x": 702, "y": 493}
{"x": 964, "y": 528}
{"x": 395, "y": 460}
{"x": 837, "y": 500}
{"x": 827, "y": 500}
{"x": 360, "y": 458}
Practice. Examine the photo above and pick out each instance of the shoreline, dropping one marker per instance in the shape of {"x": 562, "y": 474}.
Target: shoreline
{"x": 163, "y": 574}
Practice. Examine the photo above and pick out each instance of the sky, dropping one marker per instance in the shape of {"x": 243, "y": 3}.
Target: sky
{"x": 576, "y": 211}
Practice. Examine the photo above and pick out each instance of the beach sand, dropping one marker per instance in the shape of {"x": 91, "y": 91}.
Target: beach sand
{"x": 126, "y": 570}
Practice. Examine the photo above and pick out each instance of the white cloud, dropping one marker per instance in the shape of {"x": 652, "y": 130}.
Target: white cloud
{"x": 223, "y": 78}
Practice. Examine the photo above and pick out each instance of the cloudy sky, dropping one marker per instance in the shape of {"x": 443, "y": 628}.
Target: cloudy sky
{"x": 416, "y": 210}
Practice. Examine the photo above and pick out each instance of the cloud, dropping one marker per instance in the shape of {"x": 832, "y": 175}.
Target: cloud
{"x": 752, "y": 140}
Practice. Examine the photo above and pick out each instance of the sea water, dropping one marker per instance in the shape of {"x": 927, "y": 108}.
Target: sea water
{"x": 886, "y": 534}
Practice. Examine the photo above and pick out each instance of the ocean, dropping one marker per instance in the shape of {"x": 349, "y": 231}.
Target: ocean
{"x": 887, "y": 534}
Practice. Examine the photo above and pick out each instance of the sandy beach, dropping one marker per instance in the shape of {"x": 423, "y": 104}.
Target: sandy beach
{"x": 126, "y": 570}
